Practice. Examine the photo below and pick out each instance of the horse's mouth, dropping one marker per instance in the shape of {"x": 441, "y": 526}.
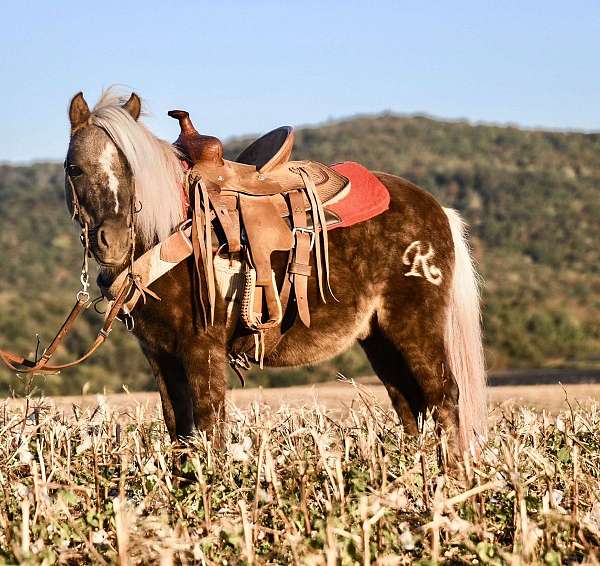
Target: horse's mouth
{"x": 110, "y": 263}
{"x": 106, "y": 276}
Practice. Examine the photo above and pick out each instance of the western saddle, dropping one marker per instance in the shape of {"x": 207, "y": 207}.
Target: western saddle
{"x": 262, "y": 203}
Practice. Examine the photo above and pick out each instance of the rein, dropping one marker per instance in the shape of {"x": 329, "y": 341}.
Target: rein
{"x": 23, "y": 365}
{"x": 129, "y": 283}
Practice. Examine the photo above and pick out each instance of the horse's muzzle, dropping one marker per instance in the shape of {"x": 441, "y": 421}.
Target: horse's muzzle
{"x": 110, "y": 243}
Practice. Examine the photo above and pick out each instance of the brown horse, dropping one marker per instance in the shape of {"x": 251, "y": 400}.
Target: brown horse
{"x": 404, "y": 280}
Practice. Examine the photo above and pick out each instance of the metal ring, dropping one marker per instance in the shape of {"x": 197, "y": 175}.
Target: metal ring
{"x": 81, "y": 295}
{"x": 95, "y": 304}
{"x": 128, "y": 321}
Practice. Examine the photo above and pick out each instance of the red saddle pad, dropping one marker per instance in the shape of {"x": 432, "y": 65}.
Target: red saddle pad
{"x": 367, "y": 198}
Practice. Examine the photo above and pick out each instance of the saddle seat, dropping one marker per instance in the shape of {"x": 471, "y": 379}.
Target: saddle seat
{"x": 270, "y": 150}
{"x": 258, "y": 204}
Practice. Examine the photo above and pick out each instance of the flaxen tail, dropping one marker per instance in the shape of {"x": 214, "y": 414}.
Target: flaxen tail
{"x": 463, "y": 339}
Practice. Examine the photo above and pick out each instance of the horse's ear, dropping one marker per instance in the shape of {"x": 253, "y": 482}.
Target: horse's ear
{"x": 79, "y": 111}
{"x": 134, "y": 106}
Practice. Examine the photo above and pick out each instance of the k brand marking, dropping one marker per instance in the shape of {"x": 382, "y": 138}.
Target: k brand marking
{"x": 420, "y": 265}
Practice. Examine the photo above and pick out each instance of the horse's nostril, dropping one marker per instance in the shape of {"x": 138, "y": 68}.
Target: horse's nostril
{"x": 102, "y": 239}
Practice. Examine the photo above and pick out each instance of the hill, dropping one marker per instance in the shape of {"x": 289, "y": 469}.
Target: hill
{"x": 531, "y": 198}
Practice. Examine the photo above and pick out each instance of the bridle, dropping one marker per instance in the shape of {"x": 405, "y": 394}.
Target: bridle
{"x": 131, "y": 284}
{"x": 87, "y": 233}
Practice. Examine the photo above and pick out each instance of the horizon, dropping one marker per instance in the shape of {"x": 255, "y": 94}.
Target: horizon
{"x": 242, "y": 68}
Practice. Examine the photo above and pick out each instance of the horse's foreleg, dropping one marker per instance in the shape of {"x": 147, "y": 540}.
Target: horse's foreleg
{"x": 174, "y": 392}
{"x": 205, "y": 367}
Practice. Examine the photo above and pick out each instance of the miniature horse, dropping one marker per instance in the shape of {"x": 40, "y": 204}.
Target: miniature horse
{"x": 404, "y": 281}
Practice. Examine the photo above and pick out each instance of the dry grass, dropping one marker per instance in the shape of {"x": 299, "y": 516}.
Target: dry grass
{"x": 294, "y": 485}
{"x": 334, "y": 396}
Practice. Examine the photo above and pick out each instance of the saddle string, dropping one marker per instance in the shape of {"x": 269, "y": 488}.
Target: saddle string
{"x": 188, "y": 205}
{"x": 312, "y": 191}
{"x": 320, "y": 233}
{"x": 259, "y": 348}
{"x": 316, "y": 232}
{"x": 202, "y": 247}
{"x": 210, "y": 269}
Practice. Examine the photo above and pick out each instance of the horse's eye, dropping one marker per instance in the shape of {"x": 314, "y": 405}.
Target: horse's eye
{"x": 74, "y": 171}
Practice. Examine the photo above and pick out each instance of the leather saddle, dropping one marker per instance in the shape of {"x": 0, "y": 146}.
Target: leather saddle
{"x": 255, "y": 205}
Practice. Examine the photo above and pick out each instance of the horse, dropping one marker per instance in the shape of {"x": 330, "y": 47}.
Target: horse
{"x": 405, "y": 285}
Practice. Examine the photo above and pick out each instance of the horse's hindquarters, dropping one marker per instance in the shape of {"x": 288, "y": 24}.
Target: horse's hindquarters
{"x": 394, "y": 277}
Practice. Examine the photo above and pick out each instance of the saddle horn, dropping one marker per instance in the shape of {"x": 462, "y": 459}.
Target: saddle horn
{"x": 195, "y": 146}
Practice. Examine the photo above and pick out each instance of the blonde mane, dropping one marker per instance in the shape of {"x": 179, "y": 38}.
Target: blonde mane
{"x": 154, "y": 163}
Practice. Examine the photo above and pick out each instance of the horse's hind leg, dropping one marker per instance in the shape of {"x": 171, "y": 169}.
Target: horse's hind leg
{"x": 431, "y": 371}
{"x": 431, "y": 385}
{"x": 390, "y": 366}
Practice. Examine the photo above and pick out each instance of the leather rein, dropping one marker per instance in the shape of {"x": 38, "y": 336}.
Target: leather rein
{"x": 130, "y": 283}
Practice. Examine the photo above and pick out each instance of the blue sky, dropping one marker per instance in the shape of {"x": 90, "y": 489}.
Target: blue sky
{"x": 243, "y": 67}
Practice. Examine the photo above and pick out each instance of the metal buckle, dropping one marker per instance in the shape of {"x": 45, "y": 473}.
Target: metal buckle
{"x": 302, "y": 230}
{"x": 240, "y": 360}
{"x": 184, "y": 225}
{"x": 83, "y": 296}
{"x": 127, "y": 320}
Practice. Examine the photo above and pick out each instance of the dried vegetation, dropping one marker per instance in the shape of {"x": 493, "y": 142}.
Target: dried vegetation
{"x": 296, "y": 485}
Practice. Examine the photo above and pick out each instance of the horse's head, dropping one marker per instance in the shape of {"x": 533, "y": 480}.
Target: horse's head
{"x": 100, "y": 184}
{"x": 121, "y": 182}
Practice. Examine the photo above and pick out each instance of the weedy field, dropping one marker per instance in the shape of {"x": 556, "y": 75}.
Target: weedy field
{"x": 304, "y": 485}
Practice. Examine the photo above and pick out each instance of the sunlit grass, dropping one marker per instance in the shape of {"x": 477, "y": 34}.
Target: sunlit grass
{"x": 300, "y": 485}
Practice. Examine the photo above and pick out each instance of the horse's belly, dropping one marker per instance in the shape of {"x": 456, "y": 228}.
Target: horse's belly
{"x": 333, "y": 331}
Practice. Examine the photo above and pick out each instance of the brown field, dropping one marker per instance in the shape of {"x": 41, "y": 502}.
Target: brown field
{"x": 339, "y": 396}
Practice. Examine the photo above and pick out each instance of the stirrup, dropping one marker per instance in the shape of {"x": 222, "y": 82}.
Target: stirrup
{"x": 252, "y": 318}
